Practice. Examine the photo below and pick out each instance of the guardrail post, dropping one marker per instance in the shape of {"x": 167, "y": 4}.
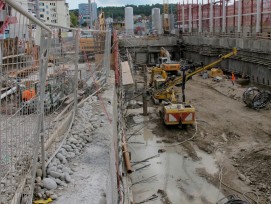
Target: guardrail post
{"x": 77, "y": 38}
{"x": 43, "y": 64}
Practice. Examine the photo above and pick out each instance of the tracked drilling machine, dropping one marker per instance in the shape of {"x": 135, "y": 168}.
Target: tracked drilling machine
{"x": 179, "y": 113}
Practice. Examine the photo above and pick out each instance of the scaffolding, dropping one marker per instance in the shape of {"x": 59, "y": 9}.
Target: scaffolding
{"x": 243, "y": 18}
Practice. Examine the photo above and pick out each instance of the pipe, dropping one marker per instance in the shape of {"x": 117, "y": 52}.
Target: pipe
{"x": 126, "y": 157}
{"x": 19, "y": 8}
{"x": 9, "y": 92}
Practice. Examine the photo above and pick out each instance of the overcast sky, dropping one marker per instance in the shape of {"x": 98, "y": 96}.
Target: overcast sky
{"x": 74, "y": 3}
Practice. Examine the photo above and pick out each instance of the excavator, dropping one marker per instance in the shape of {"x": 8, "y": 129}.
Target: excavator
{"x": 160, "y": 80}
{"x": 165, "y": 62}
{"x": 180, "y": 113}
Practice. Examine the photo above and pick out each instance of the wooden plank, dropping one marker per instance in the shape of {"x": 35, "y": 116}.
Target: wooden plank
{"x": 127, "y": 78}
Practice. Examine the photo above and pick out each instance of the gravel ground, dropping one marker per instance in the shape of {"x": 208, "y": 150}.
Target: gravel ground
{"x": 80, "y": 172}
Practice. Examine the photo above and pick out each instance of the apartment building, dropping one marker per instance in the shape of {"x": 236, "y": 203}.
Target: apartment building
{"x": 55, "y": 12}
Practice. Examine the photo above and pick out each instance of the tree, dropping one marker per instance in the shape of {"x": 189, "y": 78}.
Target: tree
{"x": 74, "y": 19}
{"x": 85, "y": 24}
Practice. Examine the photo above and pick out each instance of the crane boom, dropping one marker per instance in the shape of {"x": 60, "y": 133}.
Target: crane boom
{"x": 164, "y": 91}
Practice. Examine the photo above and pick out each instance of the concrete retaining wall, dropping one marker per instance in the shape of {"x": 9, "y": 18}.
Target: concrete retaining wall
{"x": 253, "y": 58}
{"x": 253, "y": 45}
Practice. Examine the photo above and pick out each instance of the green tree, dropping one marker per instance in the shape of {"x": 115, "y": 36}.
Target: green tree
{"x": 85, "y": 24}
{"x": 74, "y": 19}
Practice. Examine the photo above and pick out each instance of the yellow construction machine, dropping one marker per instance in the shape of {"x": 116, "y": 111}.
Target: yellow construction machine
{"x": 158, "y": 77}
{"x": 177, "y": 113}
{"x": 165, "y": 61}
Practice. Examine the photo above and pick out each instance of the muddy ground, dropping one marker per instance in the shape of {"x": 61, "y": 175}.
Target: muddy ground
{"x": 236, "y": 136}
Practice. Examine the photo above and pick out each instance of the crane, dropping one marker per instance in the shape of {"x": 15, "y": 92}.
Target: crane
{"x": 182, "y": 113}
{"x": 167, "y": 90}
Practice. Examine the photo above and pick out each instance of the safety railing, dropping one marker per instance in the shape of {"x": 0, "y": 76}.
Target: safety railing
{"x": 24, "y": 53}
{"x": 45, "y": 71}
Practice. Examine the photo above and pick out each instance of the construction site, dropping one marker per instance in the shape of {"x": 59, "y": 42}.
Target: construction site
{"x": 178, "y": 115}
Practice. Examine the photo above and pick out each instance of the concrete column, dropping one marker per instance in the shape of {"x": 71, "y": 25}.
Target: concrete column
{"x": 200, "y": 18}
{"x": 183, "y": 17}
{"x": 258, "y": 19}
{"x": 190, "y": 18}
{"x": 239, "y": 19}
{"x": 211, "y": 20}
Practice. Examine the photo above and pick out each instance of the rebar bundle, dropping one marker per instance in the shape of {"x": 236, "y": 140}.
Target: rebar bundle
{"x": 255, "y": 98}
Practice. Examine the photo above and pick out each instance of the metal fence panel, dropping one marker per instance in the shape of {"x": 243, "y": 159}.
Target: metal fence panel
{"x": 22, "y": 56}
{"x": 41, "y": 83}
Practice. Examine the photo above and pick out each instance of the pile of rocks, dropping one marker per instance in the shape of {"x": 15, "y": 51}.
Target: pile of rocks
{"x": 58, "y": 171}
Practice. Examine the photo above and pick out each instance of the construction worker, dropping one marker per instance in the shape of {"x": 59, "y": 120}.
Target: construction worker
{"x": 232, "y": 78}
{"x": 28, "y": 94}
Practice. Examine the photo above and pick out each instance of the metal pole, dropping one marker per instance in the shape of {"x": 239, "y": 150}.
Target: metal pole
{"x": 192, "y": 15}
{"x": 43, "y": 64}
{"x": 145, "y": 104}
{"x": 239, "y": 16}
{"x": 223, "y": 16}
{"x": 190, "y": 18}
{"x": 211, "y": 16}
{"x": 234, "y": 16}
{"x": 258, "y": 19}
{"x": 251, "y": 16}
{"x": 90, "y": 13}
{"x": 197, "y": 14}
{"x": 200, "y": 18}
{"x": 77, "y": 35}
{"x": 183, "y": 17}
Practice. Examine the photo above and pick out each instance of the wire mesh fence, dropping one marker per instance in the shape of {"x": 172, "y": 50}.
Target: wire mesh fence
{"x": 61, "y": 86}
{"x": 41, "y": 83}
{"x": 23, "y": 54}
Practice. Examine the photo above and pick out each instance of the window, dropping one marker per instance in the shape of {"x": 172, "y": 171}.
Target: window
{"x": 48, "y": 18}
{"x": 47, "y": 12}
{"x": 41, "y": 15}
{"x": 47, "y": 6}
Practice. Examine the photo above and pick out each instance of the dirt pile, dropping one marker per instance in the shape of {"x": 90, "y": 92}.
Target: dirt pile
{"x": 255, "y": 165}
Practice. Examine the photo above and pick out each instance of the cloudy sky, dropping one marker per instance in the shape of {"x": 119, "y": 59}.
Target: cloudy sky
{"x": 74, "y": 3}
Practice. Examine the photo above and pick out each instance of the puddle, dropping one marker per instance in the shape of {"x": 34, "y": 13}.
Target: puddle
{"x": 172, "y": 171}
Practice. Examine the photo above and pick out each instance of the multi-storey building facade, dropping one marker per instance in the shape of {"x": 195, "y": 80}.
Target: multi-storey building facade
{"x": 55, "y": 12}
{"x": 84, "y": 13}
